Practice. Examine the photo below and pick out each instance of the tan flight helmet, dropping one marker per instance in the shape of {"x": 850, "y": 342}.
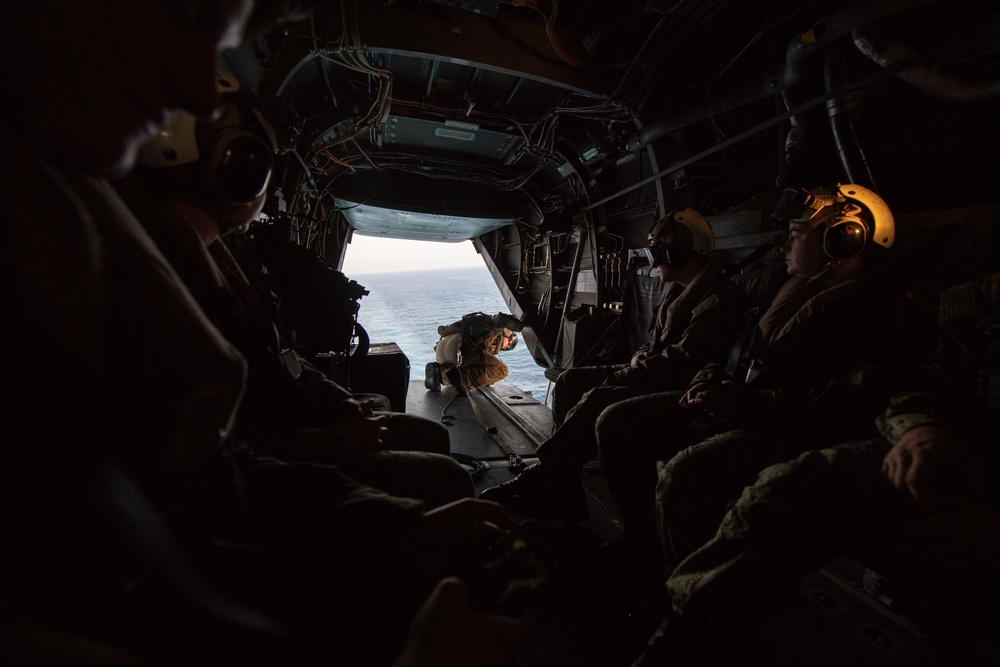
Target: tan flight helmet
{"x": 688, "y": 232}
{"x": 236, "y": 161}
{"x": 850, "y": 219}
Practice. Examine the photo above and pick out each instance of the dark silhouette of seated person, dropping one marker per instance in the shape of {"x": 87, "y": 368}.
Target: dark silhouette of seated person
{"x": 467, "y": 351}
{"x": 840, "y": 328}
{"x": 693, "y": 326}
{"x": 123, "y": 393}
{"x": 680, "y": 249}
{"x": 196, "y": 183}
{"x": 918, "y": 503}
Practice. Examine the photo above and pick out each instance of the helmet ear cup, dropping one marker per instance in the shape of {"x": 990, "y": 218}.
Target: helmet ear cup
{"x": 239, "y": 166}
{"x": 879, "y": 221}
{"x": 844, "y": 237}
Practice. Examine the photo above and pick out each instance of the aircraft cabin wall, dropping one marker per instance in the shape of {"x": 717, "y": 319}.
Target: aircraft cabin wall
{"x": 556, "y": 147}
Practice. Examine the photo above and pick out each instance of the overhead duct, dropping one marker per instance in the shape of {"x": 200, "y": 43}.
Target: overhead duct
{"x": 841, "y": 111}
{"x": 885, "y": 52}
{"x": 837, "y": 24}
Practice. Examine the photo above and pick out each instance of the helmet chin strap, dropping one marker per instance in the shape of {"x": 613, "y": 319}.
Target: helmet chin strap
{"x": 831, "y": 265}
{"x": 844, "y": 268}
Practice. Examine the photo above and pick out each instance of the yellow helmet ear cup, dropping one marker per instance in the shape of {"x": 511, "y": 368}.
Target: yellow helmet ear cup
{"x": 851, "y": 218}
{"x": 844, "y": 237}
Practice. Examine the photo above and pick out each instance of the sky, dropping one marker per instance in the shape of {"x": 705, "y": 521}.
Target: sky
{"x": 370, "y": 254}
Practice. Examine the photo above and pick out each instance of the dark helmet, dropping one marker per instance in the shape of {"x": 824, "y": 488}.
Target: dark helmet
{"x": 850, "y": 219}
{"x": 235, "y": 153}
{"x": 678, "y": 236}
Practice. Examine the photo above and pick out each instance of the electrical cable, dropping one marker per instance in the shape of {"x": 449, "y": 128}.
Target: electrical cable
{"x": 448, "y": 405}
{"x": 476, "y": 467}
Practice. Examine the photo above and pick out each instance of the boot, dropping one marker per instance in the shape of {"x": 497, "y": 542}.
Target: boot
{"x": 432, "y": 376}
{"x": 535, "y": 494}
{"x": 455, "y": 379}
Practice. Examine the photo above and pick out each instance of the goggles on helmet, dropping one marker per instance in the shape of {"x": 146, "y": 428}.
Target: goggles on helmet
{"x": 799, "y": 205}
{"x": 851, "y": 218}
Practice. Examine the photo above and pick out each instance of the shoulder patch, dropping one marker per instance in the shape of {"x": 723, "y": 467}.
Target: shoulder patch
{"x": 705, "y": 304}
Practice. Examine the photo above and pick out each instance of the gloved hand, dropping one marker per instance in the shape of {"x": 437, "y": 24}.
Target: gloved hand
{"x": 505, "y": 321}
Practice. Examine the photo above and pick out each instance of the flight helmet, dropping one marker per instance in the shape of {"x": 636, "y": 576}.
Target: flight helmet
{"x": 234, "y": 153}
{"x": 850, "y": 219}
{"x": 679, "y": 236}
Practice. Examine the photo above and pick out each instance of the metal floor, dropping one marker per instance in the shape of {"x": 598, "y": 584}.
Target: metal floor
{"x": 490, "y": 422}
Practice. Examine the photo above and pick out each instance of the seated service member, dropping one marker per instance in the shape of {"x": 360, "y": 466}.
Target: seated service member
{"x": 116, "y": 362}
{"x": 467, "y": 351}
{"x": 694, "y": 325}
{"x": 919, "y": 502}
{"x": 200, "y": 180}
{"x": 674, "y": 351}
{"x": 141, "y": 371}
{"x": 833, "y": 336}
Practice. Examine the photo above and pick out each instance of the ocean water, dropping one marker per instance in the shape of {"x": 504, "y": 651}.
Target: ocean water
{"x": 406, "y": 308}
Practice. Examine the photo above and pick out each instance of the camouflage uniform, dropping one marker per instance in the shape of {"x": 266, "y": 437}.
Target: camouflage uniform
{"x": 93, "y": 370}
{"x": 694, "y": 326}
{"x": 301, "y": 418}
{"x": 835, "y": 501}
{"x": 477, "y": 338}
{"x": 117, "y": 405}
{"x": 821, "y": 381}
{"x": 800, "y": 513}
{"x": 678, "y": 345}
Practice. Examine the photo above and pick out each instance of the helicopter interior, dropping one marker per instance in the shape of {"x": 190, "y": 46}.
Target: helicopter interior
{"x": 552, "y": 134}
